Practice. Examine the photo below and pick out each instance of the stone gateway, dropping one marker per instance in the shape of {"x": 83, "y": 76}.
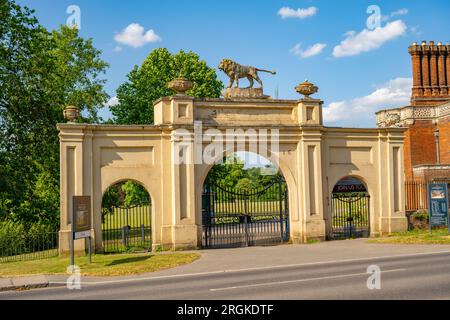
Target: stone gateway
{"x": 311, "y": 157}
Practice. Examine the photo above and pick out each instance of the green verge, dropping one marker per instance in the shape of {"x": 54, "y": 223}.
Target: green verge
{"x": 438, "y": 236}
{"x": 102, "y": 265}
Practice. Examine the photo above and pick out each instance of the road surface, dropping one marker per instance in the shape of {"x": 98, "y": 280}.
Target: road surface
{"x": 403, "y": 276}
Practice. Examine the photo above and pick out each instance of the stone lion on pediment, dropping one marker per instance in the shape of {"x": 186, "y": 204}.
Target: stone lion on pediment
{"x": 235, "y": 71}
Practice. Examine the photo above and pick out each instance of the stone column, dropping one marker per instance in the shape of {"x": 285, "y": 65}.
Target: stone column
{"x": 434, "y": 69}
{"x": 73, "y": 182}
{"x": 310, "y": 175}
{"x": 391, "y": 180}
{"x": 415, "y": 52}
{"x": 426, "y": 70}
{"x": 441, "y": 69}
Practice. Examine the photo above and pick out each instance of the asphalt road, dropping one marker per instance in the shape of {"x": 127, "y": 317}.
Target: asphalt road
{"x": 411, "y": 276}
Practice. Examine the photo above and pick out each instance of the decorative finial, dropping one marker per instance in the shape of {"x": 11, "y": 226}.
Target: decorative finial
{"x": 306, "y": 88}
{"x": 180, "y": 85}
{"x": 71, "y": 113}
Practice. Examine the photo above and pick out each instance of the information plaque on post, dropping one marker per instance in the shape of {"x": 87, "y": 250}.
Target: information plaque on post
{"x": 81, "y": 222}
{"x": 438, "y": 205}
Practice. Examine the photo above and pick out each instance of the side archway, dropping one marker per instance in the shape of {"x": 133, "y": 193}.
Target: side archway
{"x": 350, "y": 209}
{"x": 126, "y": 217}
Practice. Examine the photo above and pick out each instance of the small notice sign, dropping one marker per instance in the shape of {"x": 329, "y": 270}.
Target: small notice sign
{"x": 438, "y": 205}
{"x": 81, "y": 217}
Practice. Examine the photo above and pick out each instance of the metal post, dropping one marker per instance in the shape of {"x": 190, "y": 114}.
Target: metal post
{"x": 124, "y": 236}
{"x": 246, "y": 219}
{"x": 90, "y": 245}
{"x": 72, "y": 242}
{"x": 280, "y": 197}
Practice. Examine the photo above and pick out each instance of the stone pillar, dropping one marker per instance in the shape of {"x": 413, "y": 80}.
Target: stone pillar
{"x": 73, "y": 180}
{"x": 391, "y": 179}
{"x": 426, "y": 69}
{"x": 415, "y": 52}
{"x": 312, "y": 212}
{"x": 434, "y": 69}
{"x": 310, "y": 112}
{"x": 441, "y": 70}
{"x": 180, "y": 229}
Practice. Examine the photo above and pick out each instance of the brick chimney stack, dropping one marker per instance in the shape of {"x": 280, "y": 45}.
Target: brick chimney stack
{"x": 431, "y": 73}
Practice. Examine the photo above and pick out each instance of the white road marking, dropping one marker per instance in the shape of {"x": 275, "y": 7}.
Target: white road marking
{"x": 300, "y": 280}
{"x": 254, "y": 269}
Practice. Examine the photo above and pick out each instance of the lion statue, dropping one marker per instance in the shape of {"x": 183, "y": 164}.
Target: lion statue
{"x": 235, "y": 71}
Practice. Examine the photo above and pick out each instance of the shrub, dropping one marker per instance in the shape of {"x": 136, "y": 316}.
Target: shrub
{"x": 419, "y": 220}
{"x": 12, "y": 238}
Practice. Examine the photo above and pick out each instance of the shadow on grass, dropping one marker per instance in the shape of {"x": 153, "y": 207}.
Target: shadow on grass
{"x": 128, "y": 260}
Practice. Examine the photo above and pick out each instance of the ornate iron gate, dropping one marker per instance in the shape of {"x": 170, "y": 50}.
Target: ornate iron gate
{"x": 241, "y": 218}
{"x": 350, "y": 215}
{"x": 127, "y": 228}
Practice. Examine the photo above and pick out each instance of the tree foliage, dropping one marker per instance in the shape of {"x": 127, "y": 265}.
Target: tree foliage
{"x": 41, "y": 72}
{"x": 231, "y": 173}
{"x": 148, "y": 83}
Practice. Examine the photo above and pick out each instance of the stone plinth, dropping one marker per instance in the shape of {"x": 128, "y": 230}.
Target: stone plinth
{"x": 244, "y": 93}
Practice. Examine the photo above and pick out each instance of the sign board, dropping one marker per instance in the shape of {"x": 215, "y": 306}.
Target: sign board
{"x": 349, "y": 184}
{"x": 81, "y": 217}
{"x": 438, "y": 205}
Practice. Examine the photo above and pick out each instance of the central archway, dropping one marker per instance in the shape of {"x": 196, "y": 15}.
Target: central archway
{"x": 245, "y": 202}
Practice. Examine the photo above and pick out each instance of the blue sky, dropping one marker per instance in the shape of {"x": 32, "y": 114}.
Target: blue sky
{"x": 358, "y": 69}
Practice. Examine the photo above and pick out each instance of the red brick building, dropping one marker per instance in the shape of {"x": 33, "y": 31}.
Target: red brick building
{"x": 427, "y": 140}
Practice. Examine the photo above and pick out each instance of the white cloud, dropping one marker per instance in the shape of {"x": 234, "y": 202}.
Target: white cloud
{"x": 368, "y": 40}
{"x": 112, "y": 102}
{"x": 135, "y": 36}
{"x": 361, "y": 110}
{"x": 300, "y": 13}
{"x": 400, "y": 12}
{"x": 309, "y": 52}
{"x": 117, "y": 49}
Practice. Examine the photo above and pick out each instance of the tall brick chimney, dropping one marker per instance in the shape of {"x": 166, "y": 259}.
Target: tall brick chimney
{"x": 431, "y": 73}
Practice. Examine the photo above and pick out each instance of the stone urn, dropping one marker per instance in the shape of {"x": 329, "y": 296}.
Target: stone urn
{"x": 307, "y": 88}
{"x": 180, "y": 85}
{"x": 71, "y": 113}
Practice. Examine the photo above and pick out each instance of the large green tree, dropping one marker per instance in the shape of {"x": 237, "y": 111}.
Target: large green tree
{"x": 41, "y": 72}
{"x": 148, "y": 83}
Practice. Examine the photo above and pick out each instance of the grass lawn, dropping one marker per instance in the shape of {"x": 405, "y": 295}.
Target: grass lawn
{"x": 102, "y": 265}
{"x": 439, "y": 236}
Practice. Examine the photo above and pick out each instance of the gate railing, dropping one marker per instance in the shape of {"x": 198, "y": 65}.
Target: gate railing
{"x": 416, "y": 197}
{"x": 26, "y": 246}
{"x": 127, "y": 228}
{"x": 235, "y": 217}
